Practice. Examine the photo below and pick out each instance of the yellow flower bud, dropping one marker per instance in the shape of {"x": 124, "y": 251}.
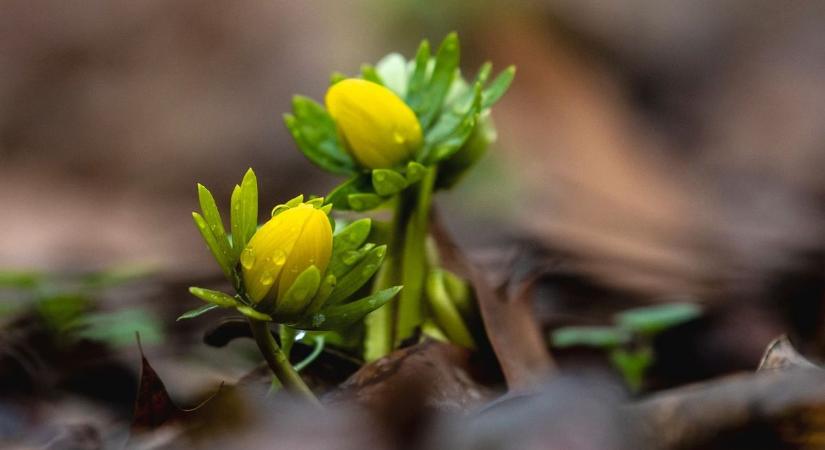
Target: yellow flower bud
{"x": 378, "y": 129}
{"x": 282, "y": 248}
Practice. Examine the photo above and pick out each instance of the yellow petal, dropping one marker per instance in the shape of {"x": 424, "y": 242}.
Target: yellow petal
{"x": 313, "y": 247}
{"x": 263, "y": 259}
{"x": 376, "y": 126}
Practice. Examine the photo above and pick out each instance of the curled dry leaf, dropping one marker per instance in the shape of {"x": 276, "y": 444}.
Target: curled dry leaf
{"x": 513, "y": 332}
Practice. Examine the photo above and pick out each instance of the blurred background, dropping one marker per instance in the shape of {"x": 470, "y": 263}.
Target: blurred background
{"x": 654, "y": 148}
{"x": 671, "y": 147}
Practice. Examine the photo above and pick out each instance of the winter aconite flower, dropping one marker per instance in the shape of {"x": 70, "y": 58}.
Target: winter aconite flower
{"x": 283, "y": 248}
{"x": 376, "y": 127}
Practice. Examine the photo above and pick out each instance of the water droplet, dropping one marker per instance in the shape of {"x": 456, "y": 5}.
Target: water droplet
{"x": 371, "y": 302}
{"x": 318, "y": 319}
{"x": 380, "y": 251}
{"x": 267, "y": 279}
{"x": 356, "y": 203}
{"x": 247, "y": 258}
{"x": 398, "y": 138}
{"x": 368, "y": 270}
{"x": 380, "y": 176}
{"x": 353, "y": 238}
{"x": 279, "y": 258}
{"x": 351, "y": 257}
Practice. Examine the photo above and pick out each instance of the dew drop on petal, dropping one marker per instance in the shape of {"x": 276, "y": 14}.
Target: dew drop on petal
{"x": 247, "y": 258}
{"x": 267, "y": 279}
{"x": 398, "y": 138}
{"x": 279, "y": 258}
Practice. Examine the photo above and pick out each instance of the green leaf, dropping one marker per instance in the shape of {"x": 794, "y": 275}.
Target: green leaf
{"x": 393, "y": 70}
{"x": 360, "y": 274}
{"x": 324, "y": 291}
{"x": 20, "y": 279}
{"x": 364, "y": 202}
{"x": 416, "y": 89}
{"x": 197, "y": 312}
{"x": 654, "y": 319}
{"x": 250, "y": 312}
{"x": 388, "y": 182}
{"x": 297, "y": 298}
{"x": 415, "y": 172}
{"x": 316, "y": 135}
{"x": 244, "y": 217}
{"x": 213, "y": 218}
{"x": 632, "y": 365}
{"x": 369, "y": 73}
{"x": 443, "y": 142}
{"x": 339, "y": 197}
{"x": 214, "y": 247}
{"x": 590, "y": 336}
{"x": 214, "y": 297}
{"x": 249, "y": 191}
{"x": 118, "y": 328}
{"x": 340, "y": 317}
{"x": 446, "y": 67}
{"x": 498, "y": 87}
{"x": 345, "y": 241}
{"x": 335, "y": 77}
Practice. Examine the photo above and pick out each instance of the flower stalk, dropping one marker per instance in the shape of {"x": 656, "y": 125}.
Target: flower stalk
{"x": 279, "y": 363}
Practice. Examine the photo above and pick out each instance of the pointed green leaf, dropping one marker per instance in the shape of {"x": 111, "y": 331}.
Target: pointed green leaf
{"x": 387, "y": 182}
{"x": 197, "y": 312}
{"x": 360, "y": 274}
{"x": 335, "y": 77}
{"x": 393, "y": 70}
{"x": 214, "y": 297}
{"x": 214, "y": 246}
{"x": 249, "y": 192}
{"x": 415, "y": 172}
{"x": 339, "y": 197}
{"x": 297, "y": 298}
{"x": 590, "y": 336}
{"x": 446, "y": 67}
{"x": 340, "y": 317}
{"x": 345, "y": 241}
{"x": 417, "y": 86}
{"x": 324, "y": 291}
{"x": 653, "y": 319}
{"x": 250, "y": 312}
{"x": 369, "y": 73}
{"x": 316, "y": 135}
{"x": 213, "y": 218}
{"x": 498, "y": 87}
{"x": 347, "y": 260}
{"x": 364, "y": 202}
{"x": 441, "y": 149}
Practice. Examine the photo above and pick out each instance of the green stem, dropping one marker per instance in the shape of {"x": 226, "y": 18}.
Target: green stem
{"x": 446, "y": 314}
{"x": 379, "y": 323}
{"x": 414, "y": 260}
{"x": 287, "y": 335}
{"x": 279, "y": 363}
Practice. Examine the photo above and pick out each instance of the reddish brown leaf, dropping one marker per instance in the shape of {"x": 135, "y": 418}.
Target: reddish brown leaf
{"x": 514, "y": 334}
